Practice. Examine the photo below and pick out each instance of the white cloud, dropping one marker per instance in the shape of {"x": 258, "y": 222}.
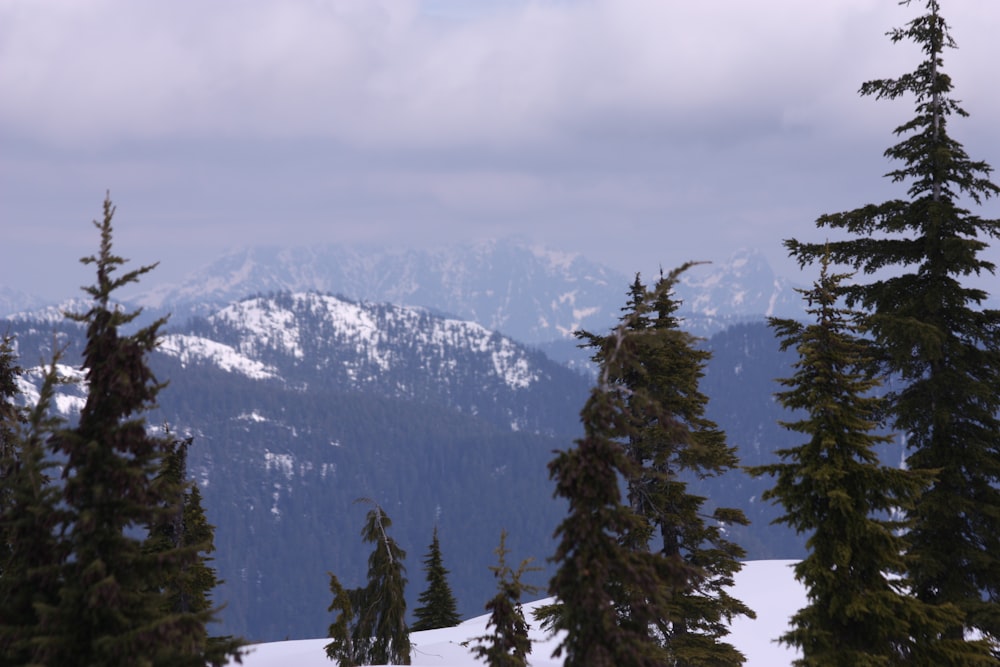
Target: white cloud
{"x": 385, "y": 73}
{"x": 697, "y": 126}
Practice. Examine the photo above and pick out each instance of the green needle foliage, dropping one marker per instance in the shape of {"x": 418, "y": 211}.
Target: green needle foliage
{"x": 12, "y": 416}
{"x": 834, "y": 489}
{"x": 11, "y": 420}
{"x": 371, "y": 626}
{"x": 931, "y": 331}
{"x": 183, "y": 527}
{"x": 29, "y": 517}
{"x": 509, "y": 644}
{"x": 623, "y": 604}
{"x": 438, "y": 607}
{"x": 110, "y": 608}
{"x": 669, "y": 442}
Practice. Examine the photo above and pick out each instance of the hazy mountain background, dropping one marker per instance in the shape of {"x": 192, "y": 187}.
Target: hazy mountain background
{"x": 532, "y": 294}
{"x": 301, "y": 401}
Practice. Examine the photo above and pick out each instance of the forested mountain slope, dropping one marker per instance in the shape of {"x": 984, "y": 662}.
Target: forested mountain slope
{"x": 301, "y": 403}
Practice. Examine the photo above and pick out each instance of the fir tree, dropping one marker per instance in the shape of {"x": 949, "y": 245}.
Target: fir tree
{"x": 612, "y": 594}
{"x": 670, "y": 440}
{"x": 438, "y": 607}
{"x": 29, "y": 519}
{"x": 834, "y": 489}
{"x": 341, "y": 648}
{"x": 509, "y": 644}
{"x": 11, "y": 420}
{"x": 109, "y": 611}
{"x": 183, "y": 527}
{"x": 371, "y": 625}
{"x": 12, "y": 415}
{"x": 932, "y": 332}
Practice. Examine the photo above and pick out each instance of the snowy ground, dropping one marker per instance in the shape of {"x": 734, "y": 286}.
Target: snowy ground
{"x": 768, "y": 587}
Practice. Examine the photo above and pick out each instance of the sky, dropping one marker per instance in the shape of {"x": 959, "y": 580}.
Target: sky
{"x": 639, "y": 133}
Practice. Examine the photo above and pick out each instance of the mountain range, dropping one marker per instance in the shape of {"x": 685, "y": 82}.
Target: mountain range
{"x": 302, "y": 401}
{"x": 531, "y": 294}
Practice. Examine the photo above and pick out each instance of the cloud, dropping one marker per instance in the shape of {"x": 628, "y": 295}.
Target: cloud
{"x": 388, "y": 73}
{"x": 584, "y": 123}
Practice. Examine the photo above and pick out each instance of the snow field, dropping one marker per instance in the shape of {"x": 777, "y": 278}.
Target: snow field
{"x": 768, "y": 587}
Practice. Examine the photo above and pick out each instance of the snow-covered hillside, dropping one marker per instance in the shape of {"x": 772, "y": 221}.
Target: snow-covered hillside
{"x": 768, "y": 587}
{"x": 370, "y": 333}
{"x": 311, "y": 340}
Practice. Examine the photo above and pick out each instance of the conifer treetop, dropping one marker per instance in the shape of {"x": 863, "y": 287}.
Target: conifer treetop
{"x": 509, "y": 644}
{"x": 438, "y": 606}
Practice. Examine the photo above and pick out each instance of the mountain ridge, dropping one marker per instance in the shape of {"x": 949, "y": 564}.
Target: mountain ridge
{"x": 533, "y": 294}
{"x": 301, "y": 402}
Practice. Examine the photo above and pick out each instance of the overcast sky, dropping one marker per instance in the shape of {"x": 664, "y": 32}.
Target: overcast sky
{"x": 639, "y": 133}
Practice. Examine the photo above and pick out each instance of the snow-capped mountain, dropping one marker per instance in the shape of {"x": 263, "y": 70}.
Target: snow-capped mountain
{"x": 522, "y": 291}
{"x": 299, "y": 403}
{"x": 312, "y": 340}
{"x": 532, "y": 294}
{"x": 14, "y": 300}
{"x": 744, "y": 287}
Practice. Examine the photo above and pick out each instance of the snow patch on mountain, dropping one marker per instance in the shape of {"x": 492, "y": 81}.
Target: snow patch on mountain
{"x": 742, "y": 286}
{"x": 370, "y": 332}
{"x": 281, "y": 463}
{"x": 70, "y": 395}
{"x": 195, "y": 349}
{"x": 512, "y": 366}
{"x": 269, "y": 326}
{"x": 56, "y": 314}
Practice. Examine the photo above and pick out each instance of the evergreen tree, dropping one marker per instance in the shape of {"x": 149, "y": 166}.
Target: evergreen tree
{"x": 612, "y": 594}
{"x": 438, "y": 607}
{"x": 509, "y": 644}
{"x": 341, "y": 648}
{"x": 833, "y": 488}
{"x": 29, "y": 518}
{"x": 11, "y": 414}
{"x": 109, "y": 611}
{"x": 671, "y": 440}
{"x": 183, "y": 527}
{"x": 371, "y": 627}
{"x": 932, "y": 332}
{"x": 11, "y": 420}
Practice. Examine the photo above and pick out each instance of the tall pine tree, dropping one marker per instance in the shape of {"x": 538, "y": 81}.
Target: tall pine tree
{"x": 614, "y": 596}
{"x": 438, "y": 608}
{"x": 834, "y": 489}
{"x": 184, "y": 528}
{"x": 371, "y": 625}
{"x": 670, "y": 442}
{"x": 509, "y": 644}
{"x": 109, "y": 610}
{"x": 31, "y": 571}
{"x": 933, "y": 333}
{"x": 11, "y": 420}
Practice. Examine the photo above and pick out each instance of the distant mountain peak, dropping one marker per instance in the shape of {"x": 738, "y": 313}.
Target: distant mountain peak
{"x": 527, "y": 291}
{"x": 744, "y": 286}
{"x": 505, "y": 285}
{"x": 55, "y": 314}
